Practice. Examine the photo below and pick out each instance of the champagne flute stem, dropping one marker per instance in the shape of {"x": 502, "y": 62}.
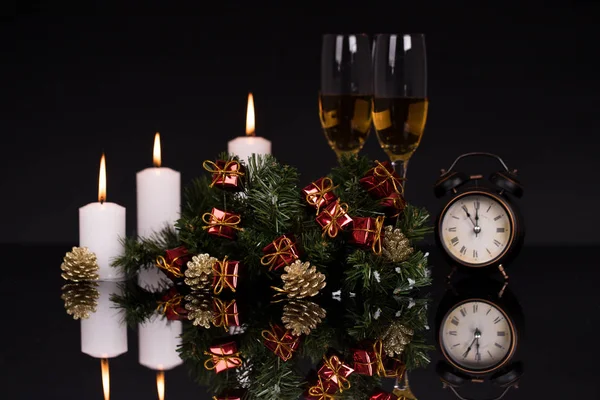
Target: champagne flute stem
{"x": 401, "y": 167}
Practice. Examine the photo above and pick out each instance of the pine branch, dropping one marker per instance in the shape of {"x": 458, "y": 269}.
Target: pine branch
{"x": 138, "y": 304}
{"x": 139, "y": 252}
{"x": 273, "y": 379}
{"x": 273, "y": 196}
{"x": 415, "y": 223}
{"x": 412, "y": 273}
{"x": 347, "y": 176}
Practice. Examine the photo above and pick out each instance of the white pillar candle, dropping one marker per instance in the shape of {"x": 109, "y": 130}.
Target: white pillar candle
{"x": 104, "y": 334}
{"x": 244, "y": 147}
{"x": 158, "y": 338}
{"x": 158, "y": 196}
{"x": 101, "y": 228}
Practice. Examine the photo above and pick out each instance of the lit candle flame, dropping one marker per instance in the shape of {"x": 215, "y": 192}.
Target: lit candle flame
{"x": 157, "y": 150}
{"x": 102, "y": 180}
{"x": 250, "y": 131}
{"x": 160, "y": 384}
{"x": 105, "y": 378}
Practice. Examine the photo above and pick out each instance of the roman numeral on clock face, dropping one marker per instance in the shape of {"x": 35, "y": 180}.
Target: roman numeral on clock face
{"x": 498, "y": 319}
{"x": 463, "y": 250}
{"x": 454, "y": 240}
{"x": 463, "y": 312}
{"x": 453, "y": 333}
{"x": 475, "y": 308}
{"x": 501, "y": 333}
{"x": 453, "y": 229}
{"x": 498, "y": 217}
{"x": 475, "y": 254}
{"x": 497, "y": 243}
{"x": 498, "y": 346}
{"x": 500, "y": 230}
{"x": 454, "y": 321}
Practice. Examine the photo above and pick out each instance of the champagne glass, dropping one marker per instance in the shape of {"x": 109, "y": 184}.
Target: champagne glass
{"x": 399, "y": 95}
{"x": 345, "y": 100}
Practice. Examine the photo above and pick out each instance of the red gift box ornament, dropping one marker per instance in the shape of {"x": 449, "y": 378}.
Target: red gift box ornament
{"x": 225, "y": 313}
{"x": 174, "y": 262}
{"x": 319, "y": 193}
{"x": 381, "y": 395}
{"x": 335, "y": 371}
{"x": 222, "y": 357}
{"x": 279, "y": 253}
{"x": 368, "y": 232}
{"x": 170, "y": 306}
{"x": 322, "y": 391}
{"x": 225, "y": 275}
{"x": 365, "y": 362}
{"x": 281, "y": 342}
{"x": 334, "y": 218}
{"x": 394, "y": 203}
{"x": 226, "y": 174}
{"x": 221, "y": 223}
{"x": 381, "y": 180}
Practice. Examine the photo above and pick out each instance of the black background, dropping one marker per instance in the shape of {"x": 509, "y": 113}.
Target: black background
{"x": 520, "y": 82}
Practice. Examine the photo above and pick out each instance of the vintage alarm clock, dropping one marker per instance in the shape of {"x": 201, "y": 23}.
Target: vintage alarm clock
{"x": 479, "y": 226}
{"x": 479, "y": 326}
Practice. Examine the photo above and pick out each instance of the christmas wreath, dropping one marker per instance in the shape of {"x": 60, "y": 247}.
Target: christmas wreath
{"x": 265, "y": 274}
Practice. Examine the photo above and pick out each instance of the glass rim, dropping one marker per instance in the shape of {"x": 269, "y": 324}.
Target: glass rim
{"x": 399, "y": 33}
{"x": 345, "y": 34}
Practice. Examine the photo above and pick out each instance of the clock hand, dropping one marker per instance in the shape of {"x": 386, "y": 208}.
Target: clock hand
{"x": 477, "y": 354}
{"x": 477, "y": 228}
{"x": 466, "y": 353}
{"x": 468, "y": 215}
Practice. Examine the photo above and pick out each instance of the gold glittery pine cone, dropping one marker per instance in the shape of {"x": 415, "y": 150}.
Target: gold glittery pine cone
{"x": 199, "y": 309}
{"x": 395, "y": 339}
{"x": 80, "y": 299}
{"x": 80, "y": 265}
{"x": 199, "y": 271}
{"x": 301, "y": 280}
{"x": 396, "y": 247}
{"x": 301, "y": 316}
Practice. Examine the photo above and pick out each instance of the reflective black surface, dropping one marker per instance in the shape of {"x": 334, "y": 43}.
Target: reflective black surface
{"x": 557, "y": 288}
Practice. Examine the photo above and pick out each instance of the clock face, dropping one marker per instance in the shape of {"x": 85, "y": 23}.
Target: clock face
{"x": 476, "y": 229}
{"x": 477, "y": 336}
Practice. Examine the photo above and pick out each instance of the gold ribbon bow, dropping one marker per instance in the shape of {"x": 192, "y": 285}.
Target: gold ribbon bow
{"x": 381, "y": 171}
{"x": 280, "y": 250}
{"x": 381, "y": 371}
{"x": 376, "y": 247}
{"x": 335, "y": 364}
{"x": 222, "y": 277}
{"x": 222, "y": 316}
{"x": 333, "y": 228}
{"x": 212, "y": 362}
{"x": 213, "y": 168}
{"x": 172, "y": 303}
{"x": 232, "y": 221}
{"x": 281, "y": 346}
{"x": 319, "y": 392}
{"x": 315, "y": 198}
{"x": 162, "y": 263}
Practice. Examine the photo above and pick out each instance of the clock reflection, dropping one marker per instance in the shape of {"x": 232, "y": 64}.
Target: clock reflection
{"x": 479, "y": 330}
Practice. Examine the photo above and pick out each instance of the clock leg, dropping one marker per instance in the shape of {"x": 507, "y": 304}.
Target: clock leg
{"x": 505, "y": 275}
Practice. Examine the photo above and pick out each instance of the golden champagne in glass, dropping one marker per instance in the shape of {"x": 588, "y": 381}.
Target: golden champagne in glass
{"x": 346, "y": 121}
{"x": 345, "y": 99}
{"x": 400, "y": 103}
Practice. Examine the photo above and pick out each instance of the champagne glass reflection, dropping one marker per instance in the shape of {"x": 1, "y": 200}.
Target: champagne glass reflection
{"x": 400, "y": 95}
{"x": 345, "y": 100}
